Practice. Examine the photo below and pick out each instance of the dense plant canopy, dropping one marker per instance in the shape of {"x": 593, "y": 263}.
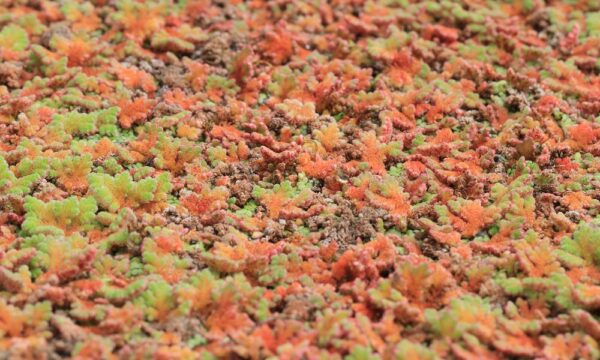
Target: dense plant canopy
{"x": 350, "y": 179}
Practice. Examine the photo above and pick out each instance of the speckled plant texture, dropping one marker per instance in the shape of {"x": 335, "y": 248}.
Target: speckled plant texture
{"x": 300, "y": 179}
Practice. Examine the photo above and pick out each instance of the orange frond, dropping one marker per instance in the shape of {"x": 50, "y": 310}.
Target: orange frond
{"x": 329, "y": 136}
{"x": 136, "y": 79}
{"x": 317, "y": 168}
{"x": 447, "y": 238}
{"x": 277, "y": 45}
{"x": 134, "y": 111}
{"x": 197, "y": 73}
{"x": 207, "y": 201}
{"x": 77, "y": 50}
{"x": 583, "y": 134}
{"x": 179, "y": 97}
{"x": 373, "y": 153}
{"x": 577, "y": 200}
